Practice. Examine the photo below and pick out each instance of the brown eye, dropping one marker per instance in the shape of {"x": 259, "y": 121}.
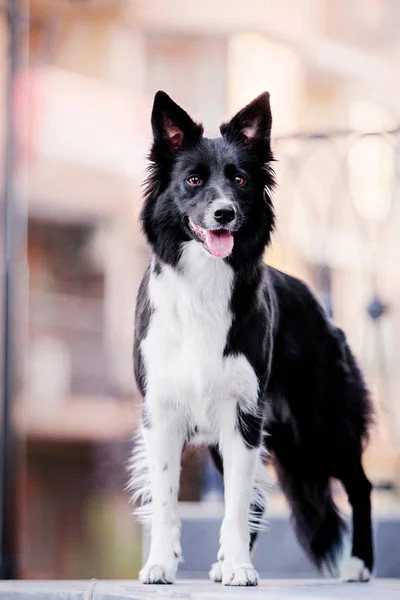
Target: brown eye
{"x": 194, "y": 180}
{"x": 239, "y": 180}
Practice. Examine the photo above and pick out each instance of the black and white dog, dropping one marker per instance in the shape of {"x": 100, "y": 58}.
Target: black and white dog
{"x": 236, "y": 355}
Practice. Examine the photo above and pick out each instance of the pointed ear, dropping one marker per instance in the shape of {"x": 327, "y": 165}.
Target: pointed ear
{"x": 251, "y": 125}
{"x": 172, "y": 125}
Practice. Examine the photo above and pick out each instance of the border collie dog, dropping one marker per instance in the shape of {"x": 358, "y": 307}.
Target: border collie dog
{"x": 238, "y": 356}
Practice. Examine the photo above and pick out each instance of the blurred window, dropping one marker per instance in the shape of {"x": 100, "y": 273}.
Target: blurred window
{"x": 66, "y": 304}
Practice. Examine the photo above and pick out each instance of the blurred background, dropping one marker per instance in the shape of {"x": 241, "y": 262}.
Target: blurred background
{"x": 77, "y": 83}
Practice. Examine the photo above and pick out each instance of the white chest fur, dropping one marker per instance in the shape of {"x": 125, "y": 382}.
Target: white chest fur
{"x": 187, "y": 375}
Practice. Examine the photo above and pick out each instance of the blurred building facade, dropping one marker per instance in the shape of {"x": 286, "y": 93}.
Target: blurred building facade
{"x": 87, "y": 73}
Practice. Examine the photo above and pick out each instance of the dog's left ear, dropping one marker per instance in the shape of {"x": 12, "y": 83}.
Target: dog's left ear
{"x": 172, "y": 125}
{"x": 251, "y": 126}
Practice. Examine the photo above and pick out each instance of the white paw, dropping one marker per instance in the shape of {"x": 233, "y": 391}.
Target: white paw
{"x": 162, "y": 571}
{"x": 215, "y": 573}
{"x": 355, "y": 570}
{"x": 243, "y": 575}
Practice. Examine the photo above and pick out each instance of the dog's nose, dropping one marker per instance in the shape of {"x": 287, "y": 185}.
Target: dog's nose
{"x": 225, "y": 214}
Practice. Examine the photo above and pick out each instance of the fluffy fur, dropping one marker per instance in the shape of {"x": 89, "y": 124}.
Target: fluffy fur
{"x": 236, "y": 355}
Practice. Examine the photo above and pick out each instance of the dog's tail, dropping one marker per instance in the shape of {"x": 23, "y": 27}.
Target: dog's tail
{"x": 317, "y": 522}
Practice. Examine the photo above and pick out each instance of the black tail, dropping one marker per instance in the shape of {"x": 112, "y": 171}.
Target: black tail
{"x": 317, "y": 522}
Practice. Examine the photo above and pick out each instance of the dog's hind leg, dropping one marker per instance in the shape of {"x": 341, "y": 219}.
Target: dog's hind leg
{"x": 257, "y": 510}
{"x": 358, "y": 489}
{"x": 258, "y": 506}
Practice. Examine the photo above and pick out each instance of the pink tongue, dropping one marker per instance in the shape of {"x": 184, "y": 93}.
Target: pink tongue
{"x": 220, "y": 242}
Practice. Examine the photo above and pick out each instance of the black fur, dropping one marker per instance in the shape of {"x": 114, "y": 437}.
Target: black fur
{"x": 318, "y": 419}
{"x": 313, "y": 404}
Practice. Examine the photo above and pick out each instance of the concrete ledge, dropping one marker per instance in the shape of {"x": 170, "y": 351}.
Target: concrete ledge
{"x": 278, "y": 555}
{"x": 378, "y": 589}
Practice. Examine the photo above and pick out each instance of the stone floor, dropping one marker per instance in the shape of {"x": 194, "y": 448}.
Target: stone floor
{"x": 278, "y": 555}
{"x": 378, "y": 589}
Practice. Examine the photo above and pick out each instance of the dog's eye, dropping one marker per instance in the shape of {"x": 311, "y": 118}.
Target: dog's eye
{"x": 194, "y": 180}
{"x": 239, "y": 180}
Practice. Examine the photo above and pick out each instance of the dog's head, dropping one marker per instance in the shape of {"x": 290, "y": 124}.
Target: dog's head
{"x": 215, "y": 191}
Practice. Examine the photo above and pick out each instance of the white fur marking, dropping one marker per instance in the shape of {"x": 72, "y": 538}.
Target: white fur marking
{"x": 355, "y": 571}
{"x": 190, "y": 384}
{"x": 256, "y": 522}
{"x": 242, "y": 575}
{"x": 184, "y": 346}
{"x": 215, "y": 572}
{"x": 164, "y": 453}
{"x": 240, "y": 465}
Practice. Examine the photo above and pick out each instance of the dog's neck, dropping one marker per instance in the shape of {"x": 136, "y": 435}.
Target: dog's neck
{"x": 198, "y": 274}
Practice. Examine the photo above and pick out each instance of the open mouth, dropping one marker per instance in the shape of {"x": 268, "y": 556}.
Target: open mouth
{"x": 219, "y": 242}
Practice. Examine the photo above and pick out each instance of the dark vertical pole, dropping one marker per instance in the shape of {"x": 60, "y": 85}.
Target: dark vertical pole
{"x": 7, "y": 549}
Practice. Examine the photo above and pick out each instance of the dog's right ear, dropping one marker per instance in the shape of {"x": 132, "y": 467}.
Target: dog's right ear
{"x": 172, "y": 125}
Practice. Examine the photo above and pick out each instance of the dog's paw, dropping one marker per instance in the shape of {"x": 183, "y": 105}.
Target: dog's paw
{"x": 159, "y": 572}
{"x": 215, "y": 573}
{"x": 240, "y": 575}
{"x": 355, "y": 571}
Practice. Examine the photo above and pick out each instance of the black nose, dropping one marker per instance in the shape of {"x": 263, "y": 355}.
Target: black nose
{"x": 224, "y": 214}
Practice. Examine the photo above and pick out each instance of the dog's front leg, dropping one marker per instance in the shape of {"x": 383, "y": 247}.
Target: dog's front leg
{"x": 240, "y": 463}
{"x": 164, "y": 443}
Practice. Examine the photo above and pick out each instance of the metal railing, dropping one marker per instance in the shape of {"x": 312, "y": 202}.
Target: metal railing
{"x": 338, "y": 209}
